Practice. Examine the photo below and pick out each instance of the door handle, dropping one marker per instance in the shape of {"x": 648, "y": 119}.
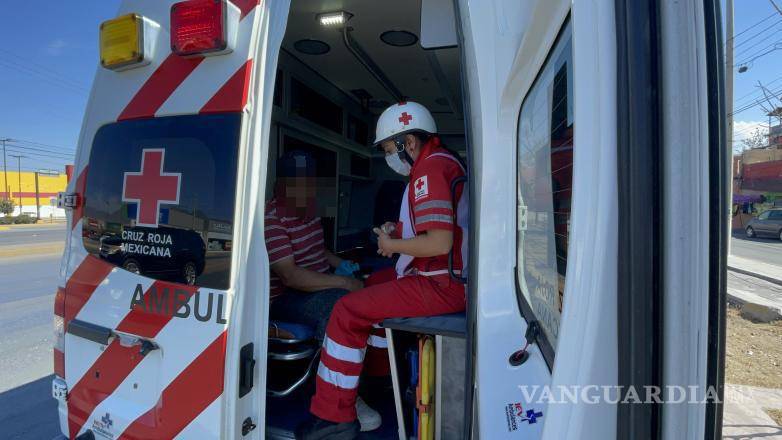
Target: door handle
{"x": 145, "y": 345}
{"x": 102, "y": 335}
{"x": 89, "y": 331}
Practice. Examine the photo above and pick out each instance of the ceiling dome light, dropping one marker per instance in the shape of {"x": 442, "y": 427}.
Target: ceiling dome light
{"x": 334, "y": 19}
{"x": 399, "y": 38}
{"x": 312, "y": 47}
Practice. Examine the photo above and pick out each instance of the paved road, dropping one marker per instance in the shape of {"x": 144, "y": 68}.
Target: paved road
{"x": 32, "y": 234}
{"x": 27, "y": 409}
{"x": 767, "y": 250}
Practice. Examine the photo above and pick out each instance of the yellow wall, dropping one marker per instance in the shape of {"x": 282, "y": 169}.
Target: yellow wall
{"x": 48, "y": 186}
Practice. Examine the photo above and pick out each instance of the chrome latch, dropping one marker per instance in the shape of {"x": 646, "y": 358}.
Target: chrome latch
{"x": 59, "y": 389}
{"x": 68, "y": 200}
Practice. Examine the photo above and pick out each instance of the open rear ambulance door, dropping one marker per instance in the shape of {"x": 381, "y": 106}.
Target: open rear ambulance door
{"x": 166, "y": 291}
{"x": 612, "y": 112}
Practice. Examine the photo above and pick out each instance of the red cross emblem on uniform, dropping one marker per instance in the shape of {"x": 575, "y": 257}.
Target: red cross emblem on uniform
{"x": 151, "y": 187}
{"x": 405, "y": 118}
{"x": 419, "y": 184}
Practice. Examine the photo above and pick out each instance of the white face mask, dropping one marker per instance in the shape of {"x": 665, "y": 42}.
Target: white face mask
{"x": 397, "y": 164}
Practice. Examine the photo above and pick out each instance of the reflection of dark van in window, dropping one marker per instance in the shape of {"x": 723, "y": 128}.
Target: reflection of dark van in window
{"x": 173, "y": 253}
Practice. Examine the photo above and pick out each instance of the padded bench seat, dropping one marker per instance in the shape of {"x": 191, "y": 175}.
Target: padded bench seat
{"x": 453, "y": 325}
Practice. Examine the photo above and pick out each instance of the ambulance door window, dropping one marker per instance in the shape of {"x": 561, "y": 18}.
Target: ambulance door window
{"x": 159, "y": 197}
{"x": 544, "y": 166}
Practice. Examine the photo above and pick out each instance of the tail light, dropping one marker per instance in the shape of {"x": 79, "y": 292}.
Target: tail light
{"x": 59, "y": 332}
{"x": 206, "y": 27}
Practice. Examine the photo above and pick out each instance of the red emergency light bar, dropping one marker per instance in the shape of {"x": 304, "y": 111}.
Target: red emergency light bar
{"x": 198, "y": 26}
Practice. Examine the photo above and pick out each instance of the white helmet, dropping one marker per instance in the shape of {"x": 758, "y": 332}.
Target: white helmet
{"x": 405, "y": 117}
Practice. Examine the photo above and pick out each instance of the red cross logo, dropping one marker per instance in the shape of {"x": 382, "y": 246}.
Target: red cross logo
{"x": 151, "y": 187}
{"x": 419, "y": 184}
{"x": 405, "y": 118}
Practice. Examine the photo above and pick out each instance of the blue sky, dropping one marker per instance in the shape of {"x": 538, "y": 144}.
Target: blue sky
{"x": 47, "y": 64}
{"x": 758, "y": 31}
{"x": 50, "y": 54}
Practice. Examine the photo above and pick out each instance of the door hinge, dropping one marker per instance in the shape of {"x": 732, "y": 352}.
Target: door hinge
{"x": 247, "y": 426}
{"x": 531, "y": 335}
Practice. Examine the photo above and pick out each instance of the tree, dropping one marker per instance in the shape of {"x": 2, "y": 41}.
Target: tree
{"x": 6, "y": 206}
{"x": 756, "y": 140}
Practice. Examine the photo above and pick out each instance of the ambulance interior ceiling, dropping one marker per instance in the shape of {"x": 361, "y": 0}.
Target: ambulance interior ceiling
{"x": 430, "y": 77}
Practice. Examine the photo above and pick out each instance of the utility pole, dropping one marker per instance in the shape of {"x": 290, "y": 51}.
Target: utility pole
{"x": 37, "y": 199}
{"x": 5, "y": 168}
{"x": 19, "y": 175}
{"x": 729, "y": 106}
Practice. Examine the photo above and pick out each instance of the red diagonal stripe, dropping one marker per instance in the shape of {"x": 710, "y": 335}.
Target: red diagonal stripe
{"x": 147, "y": 322}
{"x": 103, "y": 377}
{"x": 246, "y": 6}
{"x": 159, "y": 87}
{"x": 117, "y": 362}
{"x": 232, "y": 96}
{"x": 185, "y": 397}
{"x": 82, "y": 284}
{"x": 81, "y": 185}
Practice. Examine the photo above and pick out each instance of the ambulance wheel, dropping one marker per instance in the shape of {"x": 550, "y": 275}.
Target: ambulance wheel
{"x": 189, "y": 273}
{"x": 132, "y": 265}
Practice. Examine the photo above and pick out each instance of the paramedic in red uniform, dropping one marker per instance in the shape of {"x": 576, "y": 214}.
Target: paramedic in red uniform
{"x": 431, "y": 228}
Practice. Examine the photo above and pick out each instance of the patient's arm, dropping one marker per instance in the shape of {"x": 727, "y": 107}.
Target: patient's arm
{"x": 307, "y": 280}
{"x": 334, "y": 261}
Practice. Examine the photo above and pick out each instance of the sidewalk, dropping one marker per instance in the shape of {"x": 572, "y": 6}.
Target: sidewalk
{"x": 744, "y": 416}
{"x": 757, "y": 269}
{"x": 757, "y": 286}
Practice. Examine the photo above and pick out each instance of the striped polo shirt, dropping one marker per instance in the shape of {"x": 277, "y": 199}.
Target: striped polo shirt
{"x": 293, "y": 236}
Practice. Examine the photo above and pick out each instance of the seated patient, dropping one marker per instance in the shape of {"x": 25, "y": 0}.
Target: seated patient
{"x": 303, "y": 287}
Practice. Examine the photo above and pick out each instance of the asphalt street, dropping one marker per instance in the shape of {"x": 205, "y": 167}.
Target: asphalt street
{"x": 32, "y": 234}
{"x": 27, "y": 410}
{"x": 766, "y": 250}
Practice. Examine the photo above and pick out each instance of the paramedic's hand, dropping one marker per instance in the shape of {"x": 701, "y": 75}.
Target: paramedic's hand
{"x": 383, "y": 243}
{"x": 388, "y": 227}
{"x": 352, "y": 284}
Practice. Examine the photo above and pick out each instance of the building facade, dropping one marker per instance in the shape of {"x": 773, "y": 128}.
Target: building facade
{"x": 33, "y": 193}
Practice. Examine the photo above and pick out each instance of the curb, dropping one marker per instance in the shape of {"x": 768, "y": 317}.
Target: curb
{"x": 763, "y": 277}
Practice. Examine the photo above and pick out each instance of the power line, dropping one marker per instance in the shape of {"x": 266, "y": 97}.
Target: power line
{"x": 47, "y": 161}
{"x": 752, "y": 27}
{"x": 755, "y": 103}
{"x": 756, "y": 44}
{"x": 45, "y": 69}
{"x": 11, "y": 65}
{"x": 68, "y": 153}
{"x": 759, "y": 33}
{"x": 64, "y": 158}
{"x": 40, "y": 144}
{"x": 756, "y": 91}
{"x": 762, "y": 52}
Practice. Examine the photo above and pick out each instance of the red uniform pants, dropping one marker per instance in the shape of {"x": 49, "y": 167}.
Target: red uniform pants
{"x": 351, "y": 325}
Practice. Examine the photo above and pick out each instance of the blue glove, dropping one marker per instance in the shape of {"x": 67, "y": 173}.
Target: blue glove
{"x": 346, "y": 268}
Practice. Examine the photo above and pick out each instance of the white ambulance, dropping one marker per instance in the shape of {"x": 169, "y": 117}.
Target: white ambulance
{"x": 592, "y": 132}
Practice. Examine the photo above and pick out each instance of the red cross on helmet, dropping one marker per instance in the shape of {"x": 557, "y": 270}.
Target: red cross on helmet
{"x": 401, "y": 118}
